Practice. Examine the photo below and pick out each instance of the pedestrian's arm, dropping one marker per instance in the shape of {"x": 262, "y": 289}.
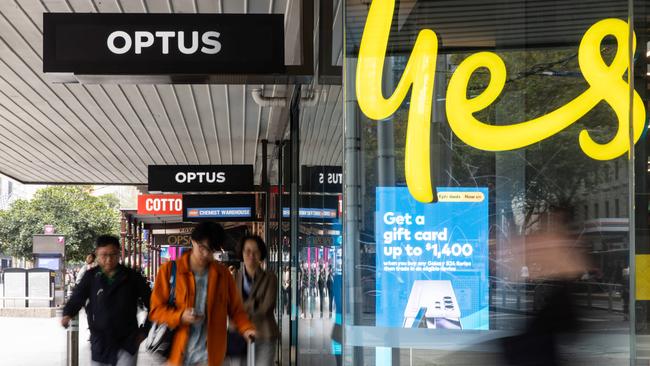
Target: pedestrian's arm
{"x": 144, "y": 293}
{"x": 81, "y": 274}
{"x": 160, "y": 311}
{"x": 80, "y": 294}
{"x": 268, "y": 301}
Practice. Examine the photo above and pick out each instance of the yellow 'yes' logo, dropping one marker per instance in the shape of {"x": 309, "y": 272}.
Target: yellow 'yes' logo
{"x": 605, "y": 84}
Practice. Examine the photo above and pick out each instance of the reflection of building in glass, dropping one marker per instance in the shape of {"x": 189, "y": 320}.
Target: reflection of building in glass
{"x": 603, "y": 214}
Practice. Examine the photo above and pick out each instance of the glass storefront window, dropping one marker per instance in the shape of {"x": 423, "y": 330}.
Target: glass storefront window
{"x": 513, "y": 118}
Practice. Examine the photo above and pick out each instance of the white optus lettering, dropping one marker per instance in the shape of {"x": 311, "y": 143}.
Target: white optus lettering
{"x": 165, "y": 36}
{"x": 180, "y": 177}
{"x": 142, "y": 40}
{"x": 211, "y": 39}
{"x": 200, "y": 177}
{"x": 208, "y": 43}
{"x": 181, "y": 43}
{"x": 110, "y": 42}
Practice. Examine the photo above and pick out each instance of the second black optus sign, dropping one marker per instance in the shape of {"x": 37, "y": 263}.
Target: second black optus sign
{"x": 200, "y": 178}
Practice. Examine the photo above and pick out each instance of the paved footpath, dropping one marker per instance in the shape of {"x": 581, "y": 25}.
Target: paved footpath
{"x": 42, "y": 342}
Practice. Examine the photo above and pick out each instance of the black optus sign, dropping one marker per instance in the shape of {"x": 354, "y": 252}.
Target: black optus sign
{"x": 162, "y": 44}
{"x": 200, "y": 178}
{"x": 224, "y": 207}
{"x": 327, "y": 179}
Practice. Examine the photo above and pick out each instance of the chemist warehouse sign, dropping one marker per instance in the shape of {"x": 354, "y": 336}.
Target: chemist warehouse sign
{"x": 163, "y": 44}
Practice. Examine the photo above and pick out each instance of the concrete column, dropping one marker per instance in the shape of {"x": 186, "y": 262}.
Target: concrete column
{"x": 352, "y": 174}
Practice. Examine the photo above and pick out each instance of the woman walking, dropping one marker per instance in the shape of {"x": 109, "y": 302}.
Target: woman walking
{"x": 258, "y": 289}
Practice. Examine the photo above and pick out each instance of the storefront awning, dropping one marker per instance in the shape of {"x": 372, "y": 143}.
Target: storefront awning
{"x": 109, "y": 133}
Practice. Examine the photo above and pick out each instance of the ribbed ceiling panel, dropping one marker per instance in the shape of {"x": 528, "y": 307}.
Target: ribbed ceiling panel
{"x": 109, "y": 133}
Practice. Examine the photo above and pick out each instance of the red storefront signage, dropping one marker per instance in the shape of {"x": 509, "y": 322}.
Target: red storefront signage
{"x": 160, "y": 204}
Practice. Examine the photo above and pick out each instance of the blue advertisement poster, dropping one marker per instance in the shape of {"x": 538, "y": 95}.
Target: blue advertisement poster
{"x": 432, "y": 259}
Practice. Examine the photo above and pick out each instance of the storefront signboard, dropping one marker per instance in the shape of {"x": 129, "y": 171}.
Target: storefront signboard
{"x": 172, "y": 239}
{"x": 606, "y": 82}
{"x": 311, "y": 213}
{"x": 225, "y": 207}
{"x": 432, "y": 259}
{"x": 160, "y": 204}
{"x": 325, "y": 179}
{"x": 200, "y": 178}
{"x": 313, "y": 207}
{"x": 163, "y": 44}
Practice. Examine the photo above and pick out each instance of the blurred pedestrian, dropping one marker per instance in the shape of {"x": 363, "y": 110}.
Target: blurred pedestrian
{"x": 322, "y": 277}
{"x": 205, "y": 295}
{"x": 258, "y": 289}
{"x": 286, "y": 288}
{"x": 559, "y": 260}
{"x": 113, "y": 292}
{"x": 329, "y": 283}
{"x": 89, "y": 264}
{"x": 625, "y": 292}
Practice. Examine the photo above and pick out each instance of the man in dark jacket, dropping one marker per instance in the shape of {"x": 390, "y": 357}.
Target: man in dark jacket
{"x": 113, "y": 292}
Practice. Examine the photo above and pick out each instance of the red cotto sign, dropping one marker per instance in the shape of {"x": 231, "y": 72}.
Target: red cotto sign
{"x": 160, "y": 204}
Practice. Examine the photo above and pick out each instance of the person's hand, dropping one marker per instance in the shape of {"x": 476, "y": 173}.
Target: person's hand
{"x": 189, "y": 317}
{"x": 65, "y": 321}
{"x": 250, "y": 335}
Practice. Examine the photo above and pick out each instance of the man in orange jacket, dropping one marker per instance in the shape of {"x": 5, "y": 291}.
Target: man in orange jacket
{"x": 205, "y": 296}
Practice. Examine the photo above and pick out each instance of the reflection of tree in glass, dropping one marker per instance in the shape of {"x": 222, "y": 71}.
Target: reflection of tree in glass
{"x": 556, "y": 169}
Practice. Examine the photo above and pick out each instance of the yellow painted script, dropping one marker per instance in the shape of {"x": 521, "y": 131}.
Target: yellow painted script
{"x": 606, "y": 83}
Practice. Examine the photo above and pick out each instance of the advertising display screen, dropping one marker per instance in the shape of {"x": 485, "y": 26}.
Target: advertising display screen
{"x": 432, "y": 259}
{"x": 49, "y": 263}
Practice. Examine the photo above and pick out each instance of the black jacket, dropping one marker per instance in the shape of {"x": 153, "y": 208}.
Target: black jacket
{"x": 112, "y": 311}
